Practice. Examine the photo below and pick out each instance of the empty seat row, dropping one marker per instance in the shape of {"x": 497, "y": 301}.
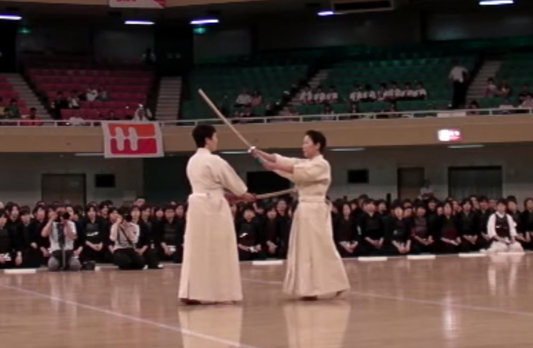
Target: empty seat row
{"x": 117, "y": 81}
{"x": 126, "y": 97}
{"x": 93, "y": 114}
{"x": 94, "y": 73}
{"x": 80, "y": 88}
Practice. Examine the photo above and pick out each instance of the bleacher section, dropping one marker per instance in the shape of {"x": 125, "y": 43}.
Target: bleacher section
{"x": 126, "y": 88}
{"x": 517, "y": 70}
{"x": 432, "y": 71}
{"x": 7, "y": 94}
{"x": 224, "y": 84}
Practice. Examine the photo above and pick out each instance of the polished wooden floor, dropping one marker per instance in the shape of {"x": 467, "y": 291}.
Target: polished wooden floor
{"x": 447, "y": 302}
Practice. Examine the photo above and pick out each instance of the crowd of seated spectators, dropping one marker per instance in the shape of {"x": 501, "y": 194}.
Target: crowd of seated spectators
{"x": 76, "y": 100}
{"x": 524, "y": 99}
{"x": 141, "y": 236}
{"x": 389, "y": 93}
{"x": 12, "y": 111}
{"x": 364, "y": 94}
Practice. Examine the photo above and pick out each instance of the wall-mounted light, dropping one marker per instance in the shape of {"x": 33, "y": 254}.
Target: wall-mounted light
{"x": 495, "y": 2}
{"x": 139, "y": 22}
{"x": 326, "y": 13}
{"x": 205, "y": 21}
{"x": 6, "y": 17}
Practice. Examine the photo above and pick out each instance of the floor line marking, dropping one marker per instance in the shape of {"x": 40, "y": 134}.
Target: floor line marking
{"x": 131, "y": 318}
{"x": 413, "y": 300}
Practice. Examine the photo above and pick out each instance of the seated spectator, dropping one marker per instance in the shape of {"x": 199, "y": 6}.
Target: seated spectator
{"x": 58, "y": 104}
{"x": 504, "y": 89}
{"x": 327, "y": 113}
{"x": 249, "y": 237}
{"x": 74, "y": 100}
{"x": 149, "y": 57}
{"x": 506, "y": 104}
{"x": 408, "y": 93}
{"x": 91, "y": 238}
{"x": 524, "y": 93}
{"x": 381, "y": 92}
{"x": 143, "y": 114}
{"x": 473, "y": 106}
{"x": 269, "y": 110}
{"x": 285, "y": 114}
{"x": 102, "y": 94}
{"x": 257, "y": 99}
{"x": 91, "y": 94}
{"x": 32, "y": 119}
{"x": 13, "y": 109}
{"x": 306, "y": 96}
{"x": 243, "y": 99}
{"x": 502, "y": 229}
{"x": 357, "y": 94}
{"x": 420, "y": 92}
{"x": 170, "y": 234}
{"x": 368, "y": 94}
{"x": 125, "y": 235}
{"x": 491, "y": 90}
{"x": 393, "y": 93}
{"x": 111, "y": 116}
{"x": 247, "y": 113}
{"x": 527, "y": 103}
{"x": 332, "y": 96}
{"x": 62, "y": 233}
{"x": 319, "y": 97}
{"x": 393, "y": 111}
{"x": 354, "y": 112}
{"x": 293, "y": 111}
{"x": 7, "y": 243}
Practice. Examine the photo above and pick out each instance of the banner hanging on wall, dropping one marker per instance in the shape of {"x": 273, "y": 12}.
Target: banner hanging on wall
{"x": 132, "y": 140}
{"x": 137, "y": 3}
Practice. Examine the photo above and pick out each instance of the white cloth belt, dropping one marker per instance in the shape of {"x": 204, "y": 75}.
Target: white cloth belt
{"x": 206, "y": 195}
{"x": 312, "y": 199}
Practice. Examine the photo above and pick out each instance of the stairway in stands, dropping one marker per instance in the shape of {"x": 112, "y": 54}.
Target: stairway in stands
{"x": 169, "y": 99}
{"x": 313, "y": 82}
{"x": 477, "y": 88}
{"x": 25, "y": 93}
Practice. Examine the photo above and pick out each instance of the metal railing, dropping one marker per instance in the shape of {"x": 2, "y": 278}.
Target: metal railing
{"x": 378, "y": 116}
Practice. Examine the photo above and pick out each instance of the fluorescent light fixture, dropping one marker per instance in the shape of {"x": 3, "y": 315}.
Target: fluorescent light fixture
{"x": 466, "y": 146}
{"x": 495, "y": 2}
{"x": 348, "y": 149}
{"x": 89, "y": 154}
{"x": 139, "y": 23}
{"x": 205, "y": 21}
{"x": 10, "y": 17}
{"x": 326, "y": 13}
{"x": 233, "y": 152}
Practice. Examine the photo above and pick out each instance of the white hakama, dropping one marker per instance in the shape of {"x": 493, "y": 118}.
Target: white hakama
{"x": 314, "y": 266}
{"x": 210, "y": 270}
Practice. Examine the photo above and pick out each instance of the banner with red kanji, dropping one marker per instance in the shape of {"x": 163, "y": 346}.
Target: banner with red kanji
{"x": 137, "y": 3}
{"x": 132, "y": 140}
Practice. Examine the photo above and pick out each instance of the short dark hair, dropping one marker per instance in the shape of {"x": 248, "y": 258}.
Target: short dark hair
{"x": 201, "y": 133}
{"x": 317, "y": 138}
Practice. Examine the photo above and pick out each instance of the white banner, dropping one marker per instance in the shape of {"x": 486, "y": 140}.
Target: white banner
{"x": 137, "y": 3}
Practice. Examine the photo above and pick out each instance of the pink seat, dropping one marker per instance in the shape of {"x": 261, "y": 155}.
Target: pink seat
{"x": 67, "y": 113}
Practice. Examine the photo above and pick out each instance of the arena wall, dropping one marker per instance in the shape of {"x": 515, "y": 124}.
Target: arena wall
{"x": 164, "y": 179}
{"x": 286, "y": 135}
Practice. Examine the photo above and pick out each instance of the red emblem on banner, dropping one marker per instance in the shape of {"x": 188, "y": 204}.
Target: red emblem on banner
{"x": 132, "y": 140}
